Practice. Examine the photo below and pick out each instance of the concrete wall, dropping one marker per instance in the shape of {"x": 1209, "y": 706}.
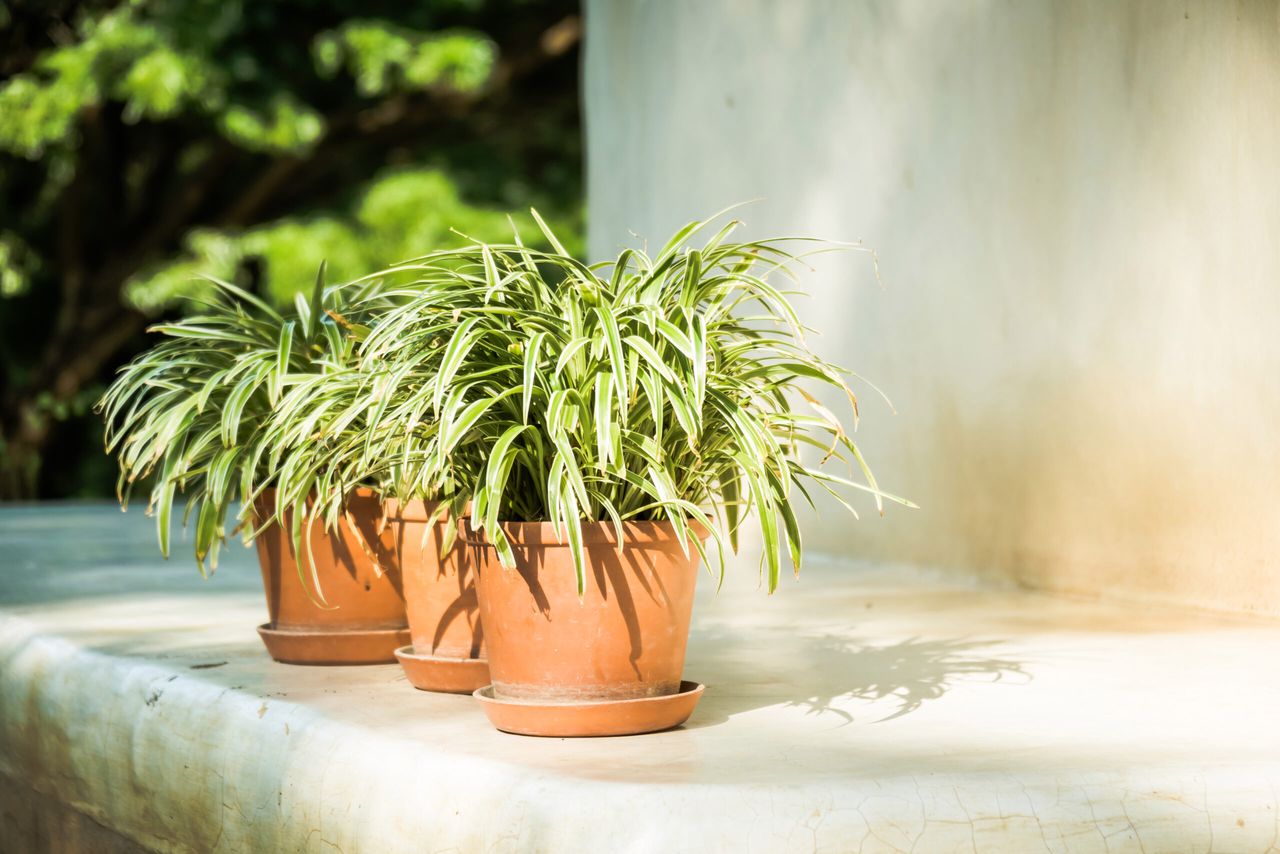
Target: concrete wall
{"x": 1077, "y": 212}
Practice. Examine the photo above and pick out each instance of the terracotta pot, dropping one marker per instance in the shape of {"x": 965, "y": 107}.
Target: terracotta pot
{"x": 624, "y": 639}
{"x": 363, "y": 620}
{"x": 447, "y": 653}
{"x": 440, "y": 590}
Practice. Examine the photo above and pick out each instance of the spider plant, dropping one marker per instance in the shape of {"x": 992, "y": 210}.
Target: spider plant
{"x": 189, "y": 413}
{"x": 677, "y": 387}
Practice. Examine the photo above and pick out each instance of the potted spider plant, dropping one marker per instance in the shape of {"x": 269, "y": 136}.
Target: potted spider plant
{"x": 333, "y": 432}
{"x": 189, "y": 416}
{"x": 606, "y": 423}
{"x": 330, "y": 433}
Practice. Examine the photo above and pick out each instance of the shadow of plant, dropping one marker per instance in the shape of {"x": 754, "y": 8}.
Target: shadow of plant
{"x": 909, "y": 673}
{"x": 821, "y": 674}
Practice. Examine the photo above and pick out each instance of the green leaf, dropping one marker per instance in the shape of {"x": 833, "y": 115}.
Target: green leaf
{"x": 317, "y": 302}
{"x": 650, "y": 355}
{"x": 530, "y": 371}
{"x": 604, "y": 420}
{"x": 573, "y": 524}
{"x": 498, "y": 470}
{"x": 459, "y": 345}
{"x": 164, "y": 505}
{"x": 617, "y": 359}
{"x": 282, "y": 361}
{"x": 547, "y": 233}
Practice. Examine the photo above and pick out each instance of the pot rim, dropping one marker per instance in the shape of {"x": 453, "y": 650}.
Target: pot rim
{"x": 419, "y": 509}
{"x": 544, "y": 534}
{"x": 269, "y": 492}
{"x": 413, "y": 510}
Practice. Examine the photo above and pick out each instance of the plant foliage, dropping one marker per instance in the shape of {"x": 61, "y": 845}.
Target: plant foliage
{"x": 676, "y": 387}
{"x": 190, "y": 412}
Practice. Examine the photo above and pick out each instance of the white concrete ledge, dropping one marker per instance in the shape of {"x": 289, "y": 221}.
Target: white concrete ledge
{"x": 863, "y": 709}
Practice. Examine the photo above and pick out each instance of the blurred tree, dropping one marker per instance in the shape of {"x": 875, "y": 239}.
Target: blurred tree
{"x": 143, "y": 142}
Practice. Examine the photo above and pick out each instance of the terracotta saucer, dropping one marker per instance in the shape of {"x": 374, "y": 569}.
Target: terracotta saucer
{"x": 606, "y": 717}
{"x": 437, "y": 673}
{"x": 358, "y": 646}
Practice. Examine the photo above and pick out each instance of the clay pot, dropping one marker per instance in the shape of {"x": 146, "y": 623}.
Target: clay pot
{"x": 440, "y": 590}
{"x": 447, "y": 653}
{"x": 625, "y": 639}
{"x": 363, "y": 620}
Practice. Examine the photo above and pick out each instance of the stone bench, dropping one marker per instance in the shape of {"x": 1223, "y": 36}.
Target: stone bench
{"x": 865, "y": 708}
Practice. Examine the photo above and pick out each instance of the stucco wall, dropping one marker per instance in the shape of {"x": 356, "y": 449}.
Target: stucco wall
{"x": 1077, "y": 212}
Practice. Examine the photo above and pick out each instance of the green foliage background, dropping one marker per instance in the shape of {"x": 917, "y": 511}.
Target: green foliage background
{"x": 144, "y": 142}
